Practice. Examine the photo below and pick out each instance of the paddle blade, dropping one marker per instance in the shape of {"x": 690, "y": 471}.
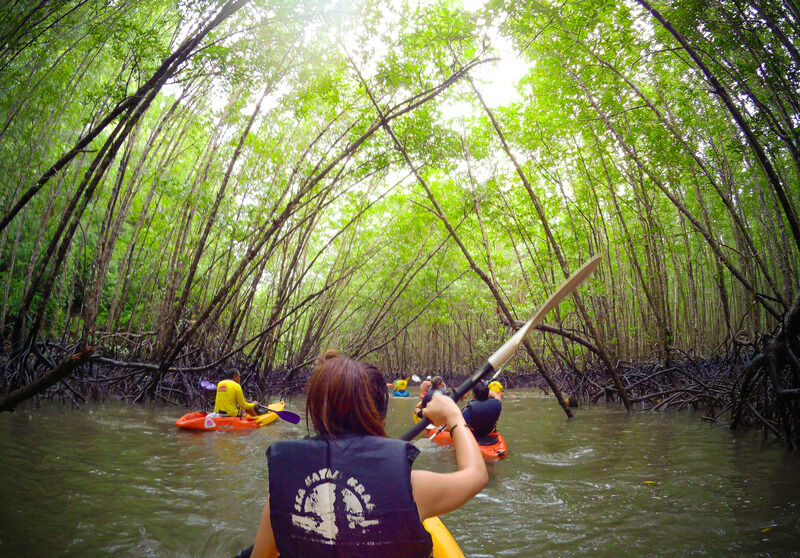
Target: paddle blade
{"x": 416, "y": 379}
{"x": 205, "y": 384}
{"x": 504, "y": 353}
{"x": 288, "y": 416}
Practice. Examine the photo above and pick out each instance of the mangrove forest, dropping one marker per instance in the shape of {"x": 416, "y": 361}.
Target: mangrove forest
{"x": 191, "y": 186}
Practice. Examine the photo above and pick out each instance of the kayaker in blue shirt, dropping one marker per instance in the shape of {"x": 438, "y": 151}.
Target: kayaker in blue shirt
{"x": 483, "y": 412}
{"x": 350, "y": 491}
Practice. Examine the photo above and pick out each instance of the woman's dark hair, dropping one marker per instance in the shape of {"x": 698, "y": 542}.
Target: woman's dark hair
{"x": 345, "y": 396}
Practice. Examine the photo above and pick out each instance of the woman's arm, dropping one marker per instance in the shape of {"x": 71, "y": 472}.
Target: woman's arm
{"x": 437, "y": 493}
{"x": 265, "y": 539}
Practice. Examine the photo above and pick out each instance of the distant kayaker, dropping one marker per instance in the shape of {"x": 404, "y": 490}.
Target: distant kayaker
{"x": 230, "y": 399}
{"x": 437, "y": 386}
{"x": 483, "y": 411}
{"x": 350, "y": 490}
{"x": 424, "y": 387}
{"x": 496, "y": 390}
{"x": 399, "y": 388}
{"x": 400, "y": 384}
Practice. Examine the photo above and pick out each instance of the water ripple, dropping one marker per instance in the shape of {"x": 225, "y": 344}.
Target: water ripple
{"x": 122, "y": 480}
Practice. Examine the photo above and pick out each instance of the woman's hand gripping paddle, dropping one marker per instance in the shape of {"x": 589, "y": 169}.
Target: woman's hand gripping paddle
{"x": 496, "y": 361}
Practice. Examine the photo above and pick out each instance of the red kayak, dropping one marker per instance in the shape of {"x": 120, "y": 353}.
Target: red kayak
{"x": 493, "y": 445}
{"x": 207, "y": 421}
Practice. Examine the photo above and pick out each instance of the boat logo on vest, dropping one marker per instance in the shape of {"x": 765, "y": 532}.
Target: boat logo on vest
{"x": 329, "y": 504}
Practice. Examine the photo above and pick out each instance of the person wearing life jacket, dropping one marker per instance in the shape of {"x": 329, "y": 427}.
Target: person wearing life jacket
{"x": 496, "y": 390}
{"x": 483, "y": 411}
{"x": 350, "y": 490}
{"x": 399, "y": 388}
{"x": 424, "y": 387}
{"x": 230, "y": 399}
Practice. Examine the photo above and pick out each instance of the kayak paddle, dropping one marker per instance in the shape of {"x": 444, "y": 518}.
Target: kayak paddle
{"x": 205, "y": 384}
{"x": 496, "y": 361}
{"x": 288, "y": 416}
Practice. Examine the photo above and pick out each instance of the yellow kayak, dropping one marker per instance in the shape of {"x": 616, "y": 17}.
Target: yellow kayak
{"x": 444, "y": 545}
{"x": 269, "y": 418}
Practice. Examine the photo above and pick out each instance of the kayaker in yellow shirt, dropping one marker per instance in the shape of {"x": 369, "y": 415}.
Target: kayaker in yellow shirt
{"x": 230, "y": 399}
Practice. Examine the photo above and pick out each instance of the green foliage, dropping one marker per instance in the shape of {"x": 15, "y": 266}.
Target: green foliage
{"x": 621, "y": 146}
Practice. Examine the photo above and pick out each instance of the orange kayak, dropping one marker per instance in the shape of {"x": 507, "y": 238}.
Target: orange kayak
{"x": 202, "y": 421}
{"x": 493, "y": 446}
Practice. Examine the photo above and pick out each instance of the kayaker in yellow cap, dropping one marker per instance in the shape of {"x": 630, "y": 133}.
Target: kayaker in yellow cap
{"x": 496, "y": 390}
{"x": 230, "y": 399}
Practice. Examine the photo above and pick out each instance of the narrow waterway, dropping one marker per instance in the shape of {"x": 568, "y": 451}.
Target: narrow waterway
{"x": 122, "y": 480}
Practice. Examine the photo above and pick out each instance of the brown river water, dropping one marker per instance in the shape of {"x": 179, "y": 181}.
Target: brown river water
{"x": 122, "y": 480}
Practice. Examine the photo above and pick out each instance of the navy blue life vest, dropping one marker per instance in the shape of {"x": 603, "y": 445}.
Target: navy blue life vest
{"x": 482, "y": 416}
{"x": 349, "y": 497}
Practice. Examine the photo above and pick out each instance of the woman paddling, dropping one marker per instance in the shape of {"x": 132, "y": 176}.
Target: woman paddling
{"x": 350, "y": 490}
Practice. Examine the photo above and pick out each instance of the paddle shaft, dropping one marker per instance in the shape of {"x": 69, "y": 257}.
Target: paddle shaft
{"x": 496, "y": 361}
